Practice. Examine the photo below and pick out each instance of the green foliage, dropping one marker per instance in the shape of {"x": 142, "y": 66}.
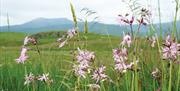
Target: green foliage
{"x": 59, "y": 64}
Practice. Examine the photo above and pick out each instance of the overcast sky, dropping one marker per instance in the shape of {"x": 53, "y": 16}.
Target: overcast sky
{"x": 21, "y": 11}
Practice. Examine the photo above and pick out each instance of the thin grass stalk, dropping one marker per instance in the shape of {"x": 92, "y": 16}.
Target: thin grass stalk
{"x": 132, "y": 82}
{"x": 154, "y": 85}
{"x": 132, "y": 31}
{"x": 178, "y": 79}
{"x": 175, "y": 19}
{"x": 159, "y": 14}
{"x": 170, "y": 76}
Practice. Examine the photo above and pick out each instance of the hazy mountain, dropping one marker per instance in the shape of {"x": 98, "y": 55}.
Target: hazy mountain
{"x": 57, "y": 24}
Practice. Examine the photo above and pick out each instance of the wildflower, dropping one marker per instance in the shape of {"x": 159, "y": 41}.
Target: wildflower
{"x": 121, "y": 67}
{"x": 145, "y": 14}
{"x": 120, "y": 55}
{"x": 126, "y": 19}
{"x": 23, "y": 56}
{"x": 155, "y": 73}
{"x": 80, "y": 70}
{"x": 94, "y": 87}
{"x": 44, "y": 77}
{"x": 62, "y": 43}
{"x": 170, "y": 50}
{"x": 85, "y": 56}
{"x": 29, "y": 40}
{"x": 126, "y": 40}
{"x": 168, "y": 41}
{"x": 29, "y": 78}
{"x": 71, "y": 33}
{"x": 99, "y": 74}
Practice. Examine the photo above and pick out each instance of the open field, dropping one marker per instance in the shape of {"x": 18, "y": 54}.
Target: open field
{"x": 58, "y": 62}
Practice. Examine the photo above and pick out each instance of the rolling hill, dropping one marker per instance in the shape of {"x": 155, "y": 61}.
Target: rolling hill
{"x": 44, "y": 24}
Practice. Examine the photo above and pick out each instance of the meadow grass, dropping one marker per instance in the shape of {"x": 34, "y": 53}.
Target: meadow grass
{"x": 58, "y": 63}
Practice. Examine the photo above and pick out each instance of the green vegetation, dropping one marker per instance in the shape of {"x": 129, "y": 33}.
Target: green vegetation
{"x": 58, "y": 63}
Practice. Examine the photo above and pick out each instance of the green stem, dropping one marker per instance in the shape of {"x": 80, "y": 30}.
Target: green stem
{"x": 132, "y": 83}
{"x": 170, "y": 76}
{"x": 178, "y": 75}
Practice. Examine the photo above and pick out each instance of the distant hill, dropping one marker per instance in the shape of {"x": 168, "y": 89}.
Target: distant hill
{"x": 43, "y": 24}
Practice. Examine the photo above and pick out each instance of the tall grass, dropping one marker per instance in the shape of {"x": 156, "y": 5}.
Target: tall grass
{"x": 58, "y": 62}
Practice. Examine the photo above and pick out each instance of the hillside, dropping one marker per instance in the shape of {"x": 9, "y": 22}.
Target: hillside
{"x": 43, "y": 24}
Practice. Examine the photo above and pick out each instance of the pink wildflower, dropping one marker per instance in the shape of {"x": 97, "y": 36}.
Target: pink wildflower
{"x": 29, "y": 78}
{"x": 125, "y": 19}
{"x": 23, "y": 56}
{"x": 85, "y": 56}
{"x": 126, "y": 40}
{"x": 71, "y": 33}
{"x": 99, "y": 74}
{"x": 29, "y": 40}
{"x": 44, "y": 77}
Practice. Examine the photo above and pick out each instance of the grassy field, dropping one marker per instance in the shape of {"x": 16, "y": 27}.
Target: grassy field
{"x": 58, "y": 62}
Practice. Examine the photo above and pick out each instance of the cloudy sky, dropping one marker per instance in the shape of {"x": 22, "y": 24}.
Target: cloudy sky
{"x": 21, "y": 11}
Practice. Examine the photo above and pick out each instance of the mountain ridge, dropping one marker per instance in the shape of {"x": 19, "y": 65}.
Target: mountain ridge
{"x": 49, "y": 24}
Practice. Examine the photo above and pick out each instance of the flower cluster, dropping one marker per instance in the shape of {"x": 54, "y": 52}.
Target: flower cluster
{"x": 127, "y": 19}
{"x": 120, "y": 57}
{"x": 99, "y": 74}
{"x": 126, "y": 40}
{"x": 29, "y": 78}
{"x": 84, "y": 58}
{"x": 70, "y": 34}
{"x": 145, "y": 14}
{"x": 29, "y": 40}
{"x": 23, "y": 55}
{"x": 171, "y": 49}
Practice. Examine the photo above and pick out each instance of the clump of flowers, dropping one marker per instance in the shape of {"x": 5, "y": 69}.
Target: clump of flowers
{"x": 28, "y": 39}
{"x": 126, "y": 19}
{"x": 120, "y": 57}
{"x": 99, "y": 74}
{"x": 29, "y": 78}
{"x": 80, "y": 70}
{"x": 126, "y": 40}
{"x": 45, "y": 78}
{"x": 70, "y": 34}
{"x": 84, "y": 58}
{"x": 145, "y": 14}
{"x": 23, "y": 56}
{"x": 170, "y": 50}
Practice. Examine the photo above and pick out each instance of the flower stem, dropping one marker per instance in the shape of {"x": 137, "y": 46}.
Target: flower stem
{"x": 170, "y": 76}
